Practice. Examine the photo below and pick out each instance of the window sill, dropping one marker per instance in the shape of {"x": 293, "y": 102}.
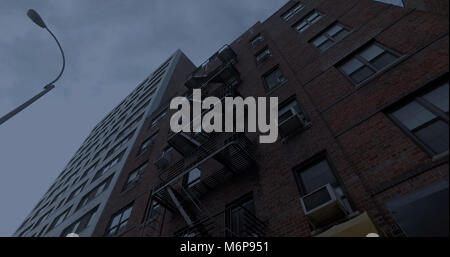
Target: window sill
{"x": 440, "y": 156}
{"x": 275, "y": 88}
{"x": 380, "y": 72}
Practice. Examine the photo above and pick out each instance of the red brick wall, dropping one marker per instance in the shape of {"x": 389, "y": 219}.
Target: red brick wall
{"x": 374, "y": 160}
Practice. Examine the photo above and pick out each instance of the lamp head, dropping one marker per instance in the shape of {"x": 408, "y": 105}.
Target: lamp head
{"x": 36, "y": 18}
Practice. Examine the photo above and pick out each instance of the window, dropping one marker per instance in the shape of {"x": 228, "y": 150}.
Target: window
{"x": 154, "y": 210}
{"x": 291, "y": 119}
{"x": 119, "y": 222}
{"x": 425, "y": 118}
{"x": 309, "y": 20}
{"x": 239, "y": 217}
{"x": 254, "y": 42}
{"x": 315, "y": 175}
{"x": 60, "y": 204}
{"x": 127, "y": 128}
{"x": 100, "y": 151}
{"x": 94, "y": 192}
{"x": 108, "y": 166}
{"x": 158, "y": 118}
{"x": 393, "y": 2}
{"x": 146, "y": 144}
{"x": 291, "y": 12}
{"x": 134, "y": 176}
{"x": 61, "y": 217}
{"x": 193, "y": 177}
{"x": 42, "y": 231}
{"x": 82, "y": 223}
{"x": 330, "y": 36}
{"x": 89, "y": 170}
{"x": 367, "y": 61}
{"x": 273, "y": 79}
{"x": 263, "y": 55}
{"x": 119, "y": 145}
{"x": 423, "y": 213}
{"x": 42, "y": 218}
{"x": 76, "y": 192}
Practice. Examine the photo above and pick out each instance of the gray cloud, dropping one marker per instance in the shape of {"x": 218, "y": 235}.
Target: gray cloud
{"x": 111, "y": 46}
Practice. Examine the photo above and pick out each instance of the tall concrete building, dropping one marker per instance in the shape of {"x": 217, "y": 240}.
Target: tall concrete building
{"x": 363, "y": 139}
{"x": 76, "y": 199}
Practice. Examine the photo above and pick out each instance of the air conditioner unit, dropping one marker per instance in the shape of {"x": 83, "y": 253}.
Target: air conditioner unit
{"x": 163, "y": 160}
{"x": 290, "y": 121}
{"x": 325, "y": 205}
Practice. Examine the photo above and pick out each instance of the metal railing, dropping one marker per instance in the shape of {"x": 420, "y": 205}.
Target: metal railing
{"x": 221, "y": 224}
{"x": 209, "y": 70}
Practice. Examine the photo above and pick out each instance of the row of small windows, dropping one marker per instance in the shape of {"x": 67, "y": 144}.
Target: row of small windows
{"x": 100, "y": 151}
{"x": 78, "y": 190}
{"x": 425, "y": 117}
{"x": 236, "y": 217}
{"x": 123, "y": 113}
{"x": 357, "y": 67}
{"x": 147, "y": 93}
{"x": 83, "y": 202}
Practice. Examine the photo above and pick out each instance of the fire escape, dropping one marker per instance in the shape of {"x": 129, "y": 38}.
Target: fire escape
{"x": 223, "y": 154}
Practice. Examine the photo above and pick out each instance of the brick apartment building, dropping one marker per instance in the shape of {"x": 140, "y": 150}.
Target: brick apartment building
{"x": 363, "y": 132}
{"x": 352, "y": 79}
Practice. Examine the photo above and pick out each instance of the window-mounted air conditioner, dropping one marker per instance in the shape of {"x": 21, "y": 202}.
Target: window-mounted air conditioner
{"x": 325, "y": 205}
{"x": 290, "y": 120}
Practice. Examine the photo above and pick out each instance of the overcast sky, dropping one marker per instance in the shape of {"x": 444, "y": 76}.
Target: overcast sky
{"x": 110, "y": 46}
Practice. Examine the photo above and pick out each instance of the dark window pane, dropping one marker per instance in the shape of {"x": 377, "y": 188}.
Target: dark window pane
{"x": 435, "y": 136}
{"x": 239, "y": 219}
{"x": 326, "y": 45}
{"x": 351, "y": 66}
{"x": 273, "y": 79}
{"x": 362, "y": 74}
{"x": 316, "y": 176}
{"x": 302, "y": 26}
{"x": 370, "y": 52}
{"x": 383, "y": 60}
{"x": 341, "y": 34}
{"x": 319, "y": 40}
{"x": 412, "y": 115}
{"x": 423, "y": 213}
{"x": 334, "y": 30}
{"x": 439, "y": 97}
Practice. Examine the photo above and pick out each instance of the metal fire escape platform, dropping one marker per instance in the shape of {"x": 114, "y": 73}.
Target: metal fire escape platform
{"x": 219, "y": 68}
{"x": 186, "y": 142}
{"x": 232, "y": 151}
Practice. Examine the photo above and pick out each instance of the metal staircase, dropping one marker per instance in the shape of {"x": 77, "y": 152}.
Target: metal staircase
{"x": 231, "y": 151}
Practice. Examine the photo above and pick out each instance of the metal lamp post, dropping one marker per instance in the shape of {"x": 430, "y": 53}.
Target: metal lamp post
{"x": 34, "y": 16}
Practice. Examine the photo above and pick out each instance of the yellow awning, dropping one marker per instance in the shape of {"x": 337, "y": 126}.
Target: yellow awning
{"x": 360, "y": 226}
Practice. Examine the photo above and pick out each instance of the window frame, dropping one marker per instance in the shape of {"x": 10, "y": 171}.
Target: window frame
{"x": 291, "y": 12}
{"x": 264, "y": 58}
{"x": 139, "y": 172}
{"x": 254, "y": 42}
{"x": 266, "y": 74}
{"x": 355, "y": 55}
{"x": 305, "y": 19}
{"x": 148, "y": 141}
{"x": 323, "y": 156}
{"x": 119, "y": 212}
{"x": 417, "y": 97}
{"x": 238, "y": 204}
{"x": 332, "y": 39}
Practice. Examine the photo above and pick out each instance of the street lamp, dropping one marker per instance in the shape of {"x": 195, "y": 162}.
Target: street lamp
{"x": 34, "y": 16}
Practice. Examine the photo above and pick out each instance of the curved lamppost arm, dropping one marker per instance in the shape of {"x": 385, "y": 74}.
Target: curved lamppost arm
{"x": 62, "y": 54}
{"x": 34, "y": 16}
